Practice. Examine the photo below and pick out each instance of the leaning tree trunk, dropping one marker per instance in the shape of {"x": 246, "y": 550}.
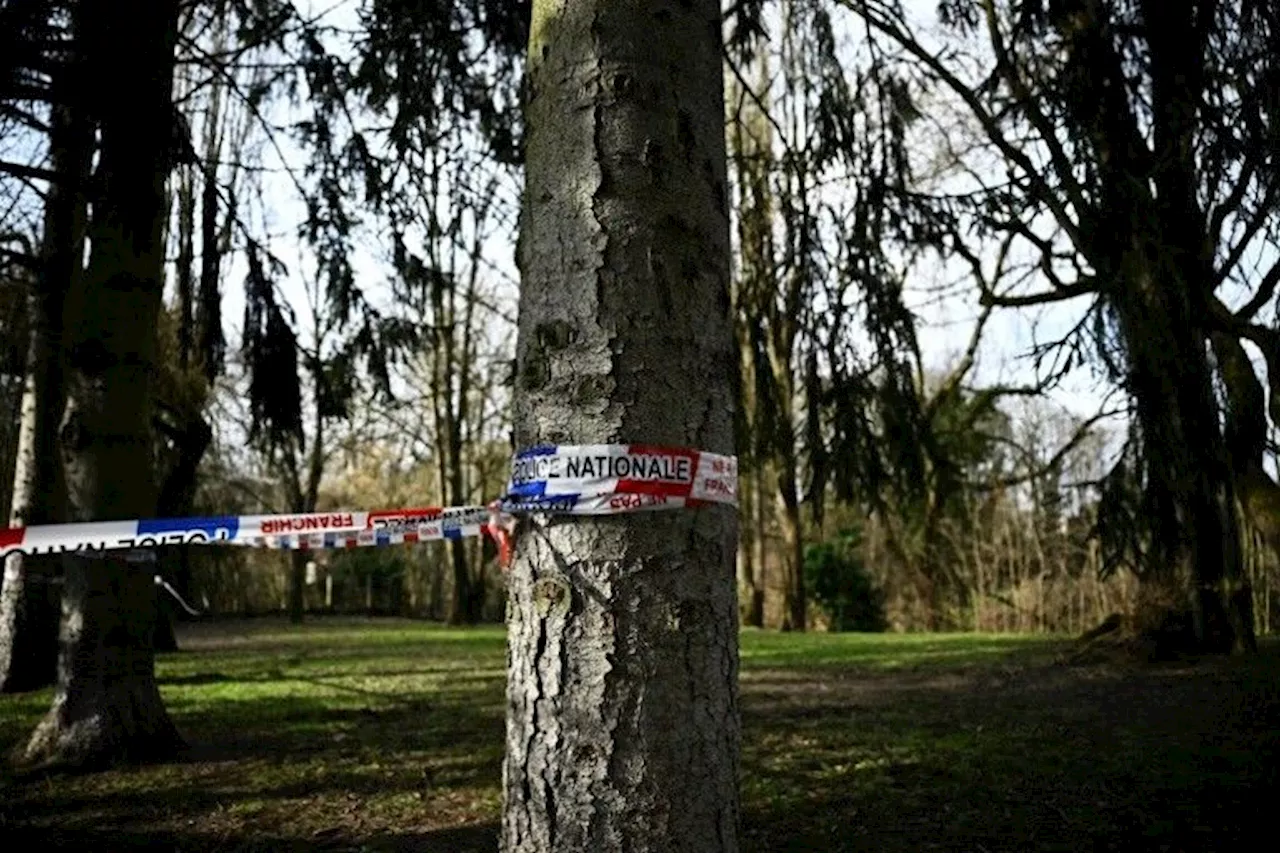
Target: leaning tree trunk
{"x": 28, "y": 612}
{"x": 622, "y": 726}
{"x": 106, "y": 706}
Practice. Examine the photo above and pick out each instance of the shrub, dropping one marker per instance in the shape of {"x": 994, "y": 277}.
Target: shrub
{"x": 837, "y": 579}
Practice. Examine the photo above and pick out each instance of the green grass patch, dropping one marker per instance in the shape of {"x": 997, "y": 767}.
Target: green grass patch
{"x": 347, "y": 734}
{"x": 891, "y": 651}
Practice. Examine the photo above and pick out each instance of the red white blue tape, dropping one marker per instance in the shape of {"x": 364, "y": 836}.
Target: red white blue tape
{"x": 603, "y": 479}
{"x": 313, "y": 530}
{"x": 584, "y": 479}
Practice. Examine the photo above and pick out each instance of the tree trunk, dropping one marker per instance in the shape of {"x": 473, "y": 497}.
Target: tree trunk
{"x": 177, "y": 500}
{"x": 1149, "y": 240}
{"x": 1189, "y": 599}
{"x": 793, "y": 615}
{"x": 164, "y": 638}
{"x": 106, "y": 705}
{"x": 622, "y": 726}
{"x": 28, "y": 612}
{"x": 28, "y": 616}
{"x": 749, "y": 594}
{"x": 753, "y": 289}
{"x": 297, "y": 585}
{"x": 462, "y": 600}
{"x": 760, "y": 532}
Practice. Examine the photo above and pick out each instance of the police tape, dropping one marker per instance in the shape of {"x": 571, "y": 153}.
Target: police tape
{"x": 596, "y": 479}
{"x": 300, "y": 531}
{"x": 602, "y": 479}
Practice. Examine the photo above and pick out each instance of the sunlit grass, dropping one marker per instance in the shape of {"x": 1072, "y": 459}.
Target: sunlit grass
{"x": 888, "y": 651}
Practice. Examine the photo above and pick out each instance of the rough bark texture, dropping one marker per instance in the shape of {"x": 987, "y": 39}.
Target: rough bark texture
{"x": 622, "y": 725}
{"x": 106, "y": 705}
{"x": 28, "y": 604}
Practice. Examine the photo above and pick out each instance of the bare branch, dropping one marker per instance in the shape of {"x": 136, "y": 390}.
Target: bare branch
{"x": 1080, "y": 433}
{"x": 1082, "y": 287}
{"x": 22, "y": 170}
{"x": 1266, "y": 289}
{"x": 1043, "y": 192}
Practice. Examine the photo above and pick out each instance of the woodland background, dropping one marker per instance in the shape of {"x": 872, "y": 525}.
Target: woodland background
{"x": 925, "y": 444}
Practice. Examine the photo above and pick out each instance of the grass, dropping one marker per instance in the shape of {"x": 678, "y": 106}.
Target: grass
{"x": 387, "y": 735}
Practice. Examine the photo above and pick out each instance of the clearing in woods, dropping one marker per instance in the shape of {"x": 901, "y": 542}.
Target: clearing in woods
{"x": 348, "y": 734}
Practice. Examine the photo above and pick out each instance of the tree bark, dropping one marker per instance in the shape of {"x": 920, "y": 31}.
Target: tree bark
{"x": 1198, "y": 563}
{"x": 462, "y": 599}
{"x": 28, "y": 610}
{"x": 1150, "y": 243}
{"x": 304, "y": 495}
{"x": 794, "y": 608}
{"x": 750, "y": 595}
{"x": 106, "y": 705}
{"x": 760, "y": 524}
{"x": 622, "y": 726}
{"x": 753, "y": 290}
{"x": 191, "y": 439}
{"x": 297, "y": 585}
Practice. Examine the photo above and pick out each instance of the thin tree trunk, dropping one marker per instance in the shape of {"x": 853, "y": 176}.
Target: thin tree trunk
{"x": 793, "y": 537}
{"x": 304, "y": 497}
{"x": 461, "y": 599}
{"x": 28, "y": 611}
{"x": 746, "y": 556}
{"x": 106, "y": 706}
{"x": 13, "y": 366}
{"x": 622, "y": 726}
{"x": 297, "y": 585}
{"x": 177, "y": 500}
{"x": 753, "y": 289}
{"x": 760, "y": 523}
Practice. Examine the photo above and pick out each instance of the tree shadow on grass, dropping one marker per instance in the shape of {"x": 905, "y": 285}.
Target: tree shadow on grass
{"x": 289, "y": 725}
{"x": 478, "y": 838}
{"x": 269, "y": 760}
{"x": 982, "y": 758}
{"x": 267, "y": 785}
{"x": 1053, "y": 759}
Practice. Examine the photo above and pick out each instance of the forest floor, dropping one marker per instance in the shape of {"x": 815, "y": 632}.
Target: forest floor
{"x": 387, "y": 735}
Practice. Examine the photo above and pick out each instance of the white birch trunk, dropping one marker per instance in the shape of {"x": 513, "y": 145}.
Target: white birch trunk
{"x": 622, "y": 726}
